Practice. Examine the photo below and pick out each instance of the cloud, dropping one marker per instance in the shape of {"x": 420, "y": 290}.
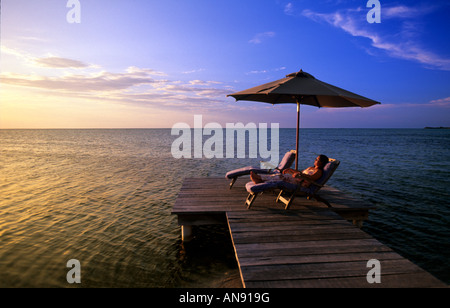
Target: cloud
{"x": 129, "y": 84}
{"x": 203, "y": 83}
{"x": 193, "y": 71}
{"x": 47, "y": 62}
{"x": 103, "y": 81}
{"x": 266, "y": 71}
{"x": 22, "y": 56}
{"x": 144, "y": 71}
{"x": 437, "y": 103}
{"x": 402, "y": 44}
{"x": 289, "y": 9}
{"x": 134, "y": 85}
{"x": 56, "y": 62}
{"x": 404, "y": 12}
{"x": 257, "y": 72}
{"x": 443, "y": 102}
{"x": 260, "y": 37}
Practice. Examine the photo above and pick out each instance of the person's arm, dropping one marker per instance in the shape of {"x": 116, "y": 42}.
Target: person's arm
{"x": 289, "y": 171}
{"x": 313, "y": 177}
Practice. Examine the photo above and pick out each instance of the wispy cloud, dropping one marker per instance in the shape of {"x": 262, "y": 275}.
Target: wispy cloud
{"x": 194, "y": 71}
{"x": 402, "y": 44}
{"x": 437, "y": 103}
{"x": 134, "y": 85}
{"x": 266, "y": 70}
{"x": 56, "y": 62}
{"x": 404, "y": 12}
{"x": 47, "y": 61}
{"x": 443, "y": 102}
{"x": 260, "y": 37}
{"x": 102, "y": 81}
{"x": 289, "y": 9}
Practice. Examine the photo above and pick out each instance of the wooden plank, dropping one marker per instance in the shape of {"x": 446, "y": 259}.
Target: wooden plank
{"x": 332, "y": 246}
{"x": 270, "y": 254}
{"x": 316, "y": 258}
{"x": 313, "y": 212}
{"x": 307, "y": 246}
{"x": 283, "y": 239}
{"x": 304, "y": 249}
{"x": 324, "y": 270}
{"x": 410, "y": 280}
{"x": 301, "y": 225}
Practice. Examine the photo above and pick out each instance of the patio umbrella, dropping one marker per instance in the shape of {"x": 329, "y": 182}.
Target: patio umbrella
{"x": 302, "y": 88}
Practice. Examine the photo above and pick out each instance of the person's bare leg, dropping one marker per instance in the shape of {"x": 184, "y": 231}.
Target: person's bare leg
{"x": 255, "y": 178}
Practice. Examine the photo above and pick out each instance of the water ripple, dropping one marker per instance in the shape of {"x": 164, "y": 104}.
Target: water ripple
{"x": 104, "y": 197}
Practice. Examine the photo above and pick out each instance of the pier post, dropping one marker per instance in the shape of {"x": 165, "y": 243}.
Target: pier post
{"x": 358, "y": 223}
{"x": 186, "y": 233}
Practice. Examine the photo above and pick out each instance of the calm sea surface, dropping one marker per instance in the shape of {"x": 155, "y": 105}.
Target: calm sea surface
{"x": 104, "y": 197}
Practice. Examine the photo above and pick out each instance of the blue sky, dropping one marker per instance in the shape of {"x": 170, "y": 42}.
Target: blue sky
{"x": 140, "y": 63}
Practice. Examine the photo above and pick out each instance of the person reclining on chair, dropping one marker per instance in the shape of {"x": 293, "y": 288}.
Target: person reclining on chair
{"x": 312, "y": 173}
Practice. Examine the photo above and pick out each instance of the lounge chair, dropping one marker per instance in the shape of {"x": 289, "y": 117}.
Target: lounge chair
{"x": 286, "y": 162}
{"x": 289, "y": 191}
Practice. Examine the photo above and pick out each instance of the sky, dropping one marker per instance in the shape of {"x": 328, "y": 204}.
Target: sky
{"x": 155, "y": 63}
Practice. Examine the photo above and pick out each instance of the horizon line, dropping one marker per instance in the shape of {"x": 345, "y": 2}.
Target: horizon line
{"x": 137, "y": 128}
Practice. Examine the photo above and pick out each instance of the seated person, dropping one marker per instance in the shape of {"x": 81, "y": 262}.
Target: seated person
{"x": 313, "y": 173}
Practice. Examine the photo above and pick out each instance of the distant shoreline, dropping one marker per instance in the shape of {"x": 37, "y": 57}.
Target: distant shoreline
{"x": 440, "y": 127}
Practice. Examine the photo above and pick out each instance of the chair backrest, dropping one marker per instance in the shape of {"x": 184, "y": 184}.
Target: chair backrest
{"x": 287, "y": 160}
{"x": 328, "y": 171}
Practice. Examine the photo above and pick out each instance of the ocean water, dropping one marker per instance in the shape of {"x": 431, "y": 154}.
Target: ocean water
{"x": 104, "y": 197}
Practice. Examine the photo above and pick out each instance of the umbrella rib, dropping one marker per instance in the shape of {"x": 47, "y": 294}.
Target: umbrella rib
{"x": 317, "y": 101}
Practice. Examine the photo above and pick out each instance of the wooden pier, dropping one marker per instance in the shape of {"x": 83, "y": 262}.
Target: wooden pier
{"x": 310, "y": 245}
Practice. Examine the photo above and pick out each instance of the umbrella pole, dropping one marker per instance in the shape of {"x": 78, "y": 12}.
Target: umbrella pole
{"x": 298, "y": 128}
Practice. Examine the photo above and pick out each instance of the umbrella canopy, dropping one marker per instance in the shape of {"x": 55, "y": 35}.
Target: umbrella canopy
{"x": 302, "y": 88}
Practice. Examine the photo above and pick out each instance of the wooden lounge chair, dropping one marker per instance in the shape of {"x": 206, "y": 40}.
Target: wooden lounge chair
{"x": 285, "y": 163}
{"x": 289, "y": 191}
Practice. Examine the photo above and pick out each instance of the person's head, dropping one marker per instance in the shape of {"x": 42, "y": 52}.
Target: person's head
{"x": 321, "y": 161}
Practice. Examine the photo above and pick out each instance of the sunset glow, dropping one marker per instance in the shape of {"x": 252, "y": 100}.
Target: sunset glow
{"x": 155, "y": 64}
